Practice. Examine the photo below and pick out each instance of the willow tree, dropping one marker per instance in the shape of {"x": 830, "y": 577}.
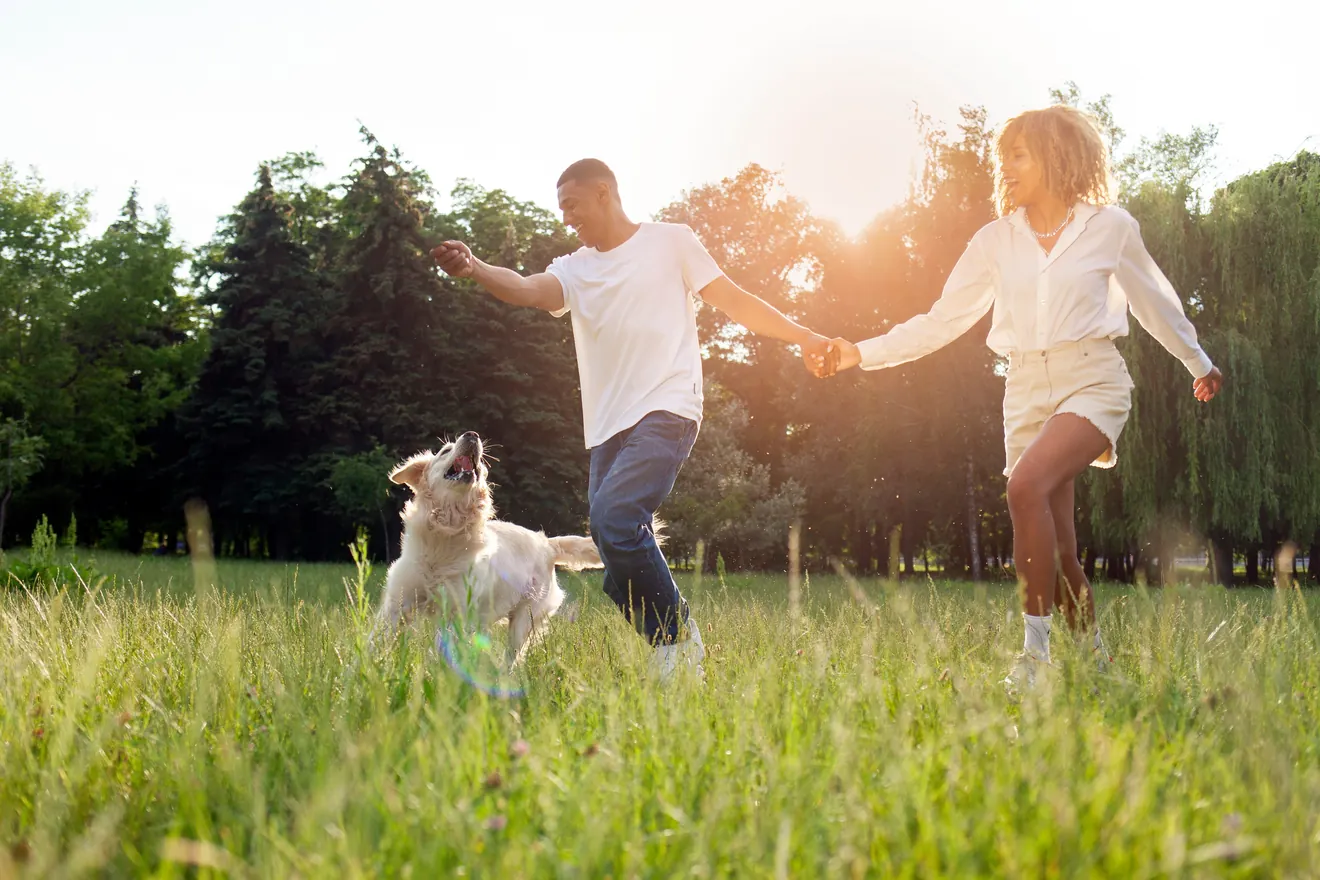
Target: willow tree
{"x": 1261, "y": 452}
{"x": 1243, "y": 472}
{"x": 1135, "y": 505}
{"x": 1185, "y": 471}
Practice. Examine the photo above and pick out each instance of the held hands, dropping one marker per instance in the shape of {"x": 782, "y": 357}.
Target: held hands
{"x": 824, "y": 357}
{"x": 820, "y": 356}
{"x": 1206, "y": 387}
{"x": 455, "y": 259}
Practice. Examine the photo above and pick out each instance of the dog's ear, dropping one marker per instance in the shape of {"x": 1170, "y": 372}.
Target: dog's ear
{"x": 409, "y": 473}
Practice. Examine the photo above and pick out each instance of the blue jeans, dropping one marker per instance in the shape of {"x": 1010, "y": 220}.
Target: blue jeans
{"x": 632, "y": 473}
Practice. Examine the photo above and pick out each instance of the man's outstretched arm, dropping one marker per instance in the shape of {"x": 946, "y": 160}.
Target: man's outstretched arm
{"x": 757, "y": 315}
{"x": 541, "y": 291}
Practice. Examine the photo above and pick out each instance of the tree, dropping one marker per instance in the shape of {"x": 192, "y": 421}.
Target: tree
{"x": 394, "y": 367}
{"x": 22, "y": 459}
{"x": 766, "y": 241}
{"x": 361, "y": 489}
{"x": 139, "y": 350}
{"x": 1261, "y": 450}
{"x": 763, "y": 239}
{"x": 961, "y": 393}
{"x": 99, "y": 343}
{"x": 40, "y": 234}
{"x": 724, "y": 498}
{"x": 918, "y": 446}
{"x": 1100, "y": 109}
{"x": 253, "y": 423}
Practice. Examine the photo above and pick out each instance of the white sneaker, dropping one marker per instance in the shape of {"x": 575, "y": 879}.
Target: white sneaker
{"x": 669, "y": 660}
{"x": 1022, "y": 677}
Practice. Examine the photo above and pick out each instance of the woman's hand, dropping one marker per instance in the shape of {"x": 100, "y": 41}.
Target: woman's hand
{"x": 1205, "y": 387}
{"x": 849, "y": 356}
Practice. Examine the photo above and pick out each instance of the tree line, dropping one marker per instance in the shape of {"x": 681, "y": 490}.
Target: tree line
{"x": 278, "y": 372}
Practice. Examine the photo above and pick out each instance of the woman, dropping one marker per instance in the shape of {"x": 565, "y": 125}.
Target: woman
{"x": 1060, "y": 267}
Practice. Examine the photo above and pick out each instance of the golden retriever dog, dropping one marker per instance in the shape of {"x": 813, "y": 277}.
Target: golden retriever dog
{"x": 456, "y": 554}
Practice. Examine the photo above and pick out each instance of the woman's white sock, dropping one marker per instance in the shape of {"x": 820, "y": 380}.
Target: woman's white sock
{"x": 1037, "y": 641}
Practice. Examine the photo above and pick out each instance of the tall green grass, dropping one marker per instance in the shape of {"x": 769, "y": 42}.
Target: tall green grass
{"x": 149, "y": 728}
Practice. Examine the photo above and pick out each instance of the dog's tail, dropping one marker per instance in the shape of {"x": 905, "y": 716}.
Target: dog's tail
{"x": 576, "y": 553}
{"x": 658, "y": 527}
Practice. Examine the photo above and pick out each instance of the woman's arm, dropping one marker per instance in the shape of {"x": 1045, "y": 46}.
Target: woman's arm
{"x": 1156, "y": 306}
{"x": 968, "y": 294}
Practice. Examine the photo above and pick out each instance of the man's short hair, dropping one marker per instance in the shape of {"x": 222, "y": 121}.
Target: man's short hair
{"x": 584, "y": 170}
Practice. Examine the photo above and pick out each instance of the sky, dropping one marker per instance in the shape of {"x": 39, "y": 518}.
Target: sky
{"x": 185, "y": 99}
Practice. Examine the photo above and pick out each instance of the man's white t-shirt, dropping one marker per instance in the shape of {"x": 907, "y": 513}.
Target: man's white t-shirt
{"x": 635, "y": 326}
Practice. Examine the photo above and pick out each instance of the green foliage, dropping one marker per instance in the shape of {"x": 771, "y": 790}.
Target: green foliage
{"x": 22, "y": 454}
{"x": 255, "y": 419}
{"x": 920, "y": 445}
{"x": 724, "y": 498}
{"x": 43, "y": 565}
{"x": 98, "y": 348}
{"x": 43, "y": 544}
{"x": 387, "y": 352}
{"x": 336, "y": 350}
{"x": 360, "y": 484}
{"x": 20, "y": 460}
{"x": 766, "y": 241}
{"x": 40, "y": 233}
{"x": 361, "y": 490}
{"x": 318, "y": 345}
{"x": 359, "y": 603}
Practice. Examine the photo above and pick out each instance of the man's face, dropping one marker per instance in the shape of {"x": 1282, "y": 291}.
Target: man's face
{"x": 585, "y": 206}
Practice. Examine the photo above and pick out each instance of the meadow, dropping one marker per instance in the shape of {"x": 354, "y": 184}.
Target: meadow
{"x": 154, "y": 727}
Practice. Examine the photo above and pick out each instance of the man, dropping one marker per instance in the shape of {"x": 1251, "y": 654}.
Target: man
{"x": 630, "y": 290}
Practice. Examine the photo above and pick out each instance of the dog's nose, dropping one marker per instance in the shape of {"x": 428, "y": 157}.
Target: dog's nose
{"x": 470, "y": 436}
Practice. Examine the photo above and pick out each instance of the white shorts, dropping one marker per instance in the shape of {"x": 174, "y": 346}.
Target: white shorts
{"x": 1086, "y": 378}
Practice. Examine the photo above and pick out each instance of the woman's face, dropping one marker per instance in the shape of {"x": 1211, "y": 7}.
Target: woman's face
{"x": 1022, "y": 174}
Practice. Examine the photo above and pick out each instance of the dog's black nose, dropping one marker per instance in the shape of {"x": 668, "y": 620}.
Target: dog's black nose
{"x": 470, "y": 436}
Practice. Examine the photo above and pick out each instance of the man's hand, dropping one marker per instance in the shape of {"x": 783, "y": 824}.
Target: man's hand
{"x": 849, "y": 356}
{"x": 1208, "y": 385}
{"x": 455, "y": 258}
{"x": 540, "y": 291}
{"x": 820, "y": 356}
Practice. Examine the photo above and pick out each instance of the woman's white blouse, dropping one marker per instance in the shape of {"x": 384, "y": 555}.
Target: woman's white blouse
{"x": 1082, "y": 289}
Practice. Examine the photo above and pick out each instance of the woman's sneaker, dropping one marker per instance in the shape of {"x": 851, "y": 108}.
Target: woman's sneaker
{"x": 1023, "y": 675}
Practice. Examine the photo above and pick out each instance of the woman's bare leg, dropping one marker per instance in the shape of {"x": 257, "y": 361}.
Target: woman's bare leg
{"x": 1072, "y": 592}
{"x": 1066, "y": 445}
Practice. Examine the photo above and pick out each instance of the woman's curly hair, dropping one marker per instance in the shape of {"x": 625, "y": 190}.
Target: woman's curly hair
{"x": 1072, "y": 153}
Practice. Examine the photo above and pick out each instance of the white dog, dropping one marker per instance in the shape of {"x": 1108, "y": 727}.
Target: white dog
{"x": 455, "y": 552}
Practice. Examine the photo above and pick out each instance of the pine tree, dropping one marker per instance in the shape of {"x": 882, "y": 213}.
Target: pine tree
{"x": 252, "y": 424}
{"x": 395, "y": 375}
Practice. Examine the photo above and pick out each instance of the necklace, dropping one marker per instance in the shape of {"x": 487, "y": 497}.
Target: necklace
{"x": 1056, "y": 230}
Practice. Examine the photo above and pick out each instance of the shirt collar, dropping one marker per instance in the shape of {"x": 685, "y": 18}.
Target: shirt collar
{"x": 1082, "y": 214}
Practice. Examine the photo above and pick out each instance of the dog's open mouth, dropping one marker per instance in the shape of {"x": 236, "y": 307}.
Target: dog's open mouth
{"x": 463, "y": 468}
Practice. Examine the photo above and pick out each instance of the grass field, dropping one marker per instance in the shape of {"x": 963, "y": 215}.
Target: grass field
{"x": 151, "y": 729}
